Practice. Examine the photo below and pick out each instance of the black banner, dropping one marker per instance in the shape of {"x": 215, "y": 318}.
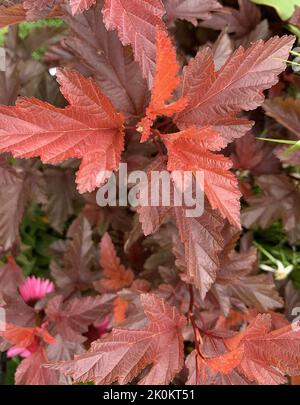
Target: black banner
{"x": 136, "y": 394}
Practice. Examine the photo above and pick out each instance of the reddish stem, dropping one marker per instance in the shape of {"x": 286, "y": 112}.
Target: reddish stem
{"x": 197, "y": 335}
{"x": 155, "y": 135}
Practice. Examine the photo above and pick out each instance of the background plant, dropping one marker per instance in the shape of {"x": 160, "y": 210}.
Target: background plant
{"x": 161, "y": 85}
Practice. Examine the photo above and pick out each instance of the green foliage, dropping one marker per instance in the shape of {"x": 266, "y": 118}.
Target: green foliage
{"x": 3, "y": 31}
{"x": 25, "y": 27}
{"x": 36, "y": 236}
{"x": 284, "y": 8}
{"x": 39, "y": 53}
{"x": 11, "y": 366}
{"x": 295, "y": 145}
{"x": 24, "y": 30}
{"x": 272, "y": 243}
{"x": 294, "y": 30}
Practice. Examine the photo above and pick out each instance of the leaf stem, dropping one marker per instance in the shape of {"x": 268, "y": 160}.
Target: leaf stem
{"x": 284, "y": 141}
{"x": 197, "y": 334}
{"x": 156, "y": 134}
{"x": 265, "y": 252}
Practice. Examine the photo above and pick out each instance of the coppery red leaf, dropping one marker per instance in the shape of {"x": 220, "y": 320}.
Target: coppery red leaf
{"x": 137, "y": 23}
{"x": 262, "y": 355}
{"x": 191, "y": 10}
{"x": 161, "y": 341}
{"x": 80, "y": 130}
{"x": 216, "y": 98}
{"x": 129, "y": 294}
{"x": 190, "y": 150}
{"x": 165, "y": 82}
{"x": 116, "y": 276}
{"x": 200, "y": 235}
{"x": 78, "y": 6}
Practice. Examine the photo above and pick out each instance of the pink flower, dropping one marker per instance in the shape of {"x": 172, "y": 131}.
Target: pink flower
{"x": 35, "y": 288}
{"x": 18, "y": 351}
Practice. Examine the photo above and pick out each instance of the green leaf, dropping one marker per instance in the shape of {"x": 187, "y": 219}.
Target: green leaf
{"x": 11, "y": 366}
{"x": 295, "y": 145}
{"x": 25, "y": 27}
{"x": 36, "y": 237}
{"x": 284, "y": 8}
{"x": 294, "y": 30}
{"x": 3, "y": 31}
{"x": 284, "y": 141}
{"x": 292, "y": 148}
